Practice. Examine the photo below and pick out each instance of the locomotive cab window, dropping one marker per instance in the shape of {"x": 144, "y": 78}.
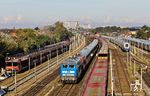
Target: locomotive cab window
{"x": 65, "y": 66}
{"x": 126, "y": 45}
{"x": 71, "y": 66}
{"x": 102, "y": 55}
{"x": 12, "y": 64}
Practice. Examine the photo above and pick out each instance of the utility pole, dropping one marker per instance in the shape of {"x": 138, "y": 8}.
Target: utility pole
{"x": 70, "y": 49}
{"x": 12, "y": 64}
{"x": 142, "y": 76}
{"x": 138, "y": 49}
{"x": 40, "y": 55}
{"x": 141, "y": 80}
{"x": 15, "y": 81}
{"x": 130, "y": 55}
{"x": 127, "y": 59}
{"x": 57, "y": 56}
{"x": 111, "y": 73}
{"x": 142, "y": 50}
{"x": 48, "y": 63}
{"x": 35, "y": 70}
{"x": 29, "y": 62}
{"x": 130, "y": 58}
{"x": 134, "y": 68}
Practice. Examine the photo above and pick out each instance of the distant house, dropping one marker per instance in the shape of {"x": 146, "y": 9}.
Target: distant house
{"x": 6, "y": 30}
{"x": 11, "y": 32}
{"x": 130, "y": 33}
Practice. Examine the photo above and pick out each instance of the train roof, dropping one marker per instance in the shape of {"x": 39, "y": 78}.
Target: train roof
{"x": 118, "y": 39}
{"x": 24, "y": 57}
{"x": 147, "y": 42}
{"x": 85, "y": 51}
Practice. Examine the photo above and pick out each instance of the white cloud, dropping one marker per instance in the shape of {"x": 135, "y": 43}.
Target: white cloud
{"x": 7, "y": 19}
{"x": 107, "y": 19}
{"x": 19, "y": 18}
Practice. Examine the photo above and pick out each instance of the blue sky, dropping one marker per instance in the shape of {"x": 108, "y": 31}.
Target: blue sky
{"x": 31, "y": 13}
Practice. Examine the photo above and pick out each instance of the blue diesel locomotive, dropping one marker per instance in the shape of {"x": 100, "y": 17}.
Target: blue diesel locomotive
{"x": 72, "y": 68}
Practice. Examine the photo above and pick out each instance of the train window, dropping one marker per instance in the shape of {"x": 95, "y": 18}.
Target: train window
{"x": 12, "y": 64}
{"x": 65, "y": 66}
{"x": 71, "y": 66}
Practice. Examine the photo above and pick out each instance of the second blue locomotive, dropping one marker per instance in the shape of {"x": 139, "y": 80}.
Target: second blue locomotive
{"x": 72, "y": 68}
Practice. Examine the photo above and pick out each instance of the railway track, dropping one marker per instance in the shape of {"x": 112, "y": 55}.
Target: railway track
{"x": 122, "y": 81}
{"x": 69, "y": 89}
{"x": 64, "y": 91}
{"x": 39, "y": 86}
{"x": 146, "y": 75}
{"x": 139, "y": 62}
{"x": 32, "y": 75}
{"x": 9, "y": 81}
{"x": 147, "y": 63}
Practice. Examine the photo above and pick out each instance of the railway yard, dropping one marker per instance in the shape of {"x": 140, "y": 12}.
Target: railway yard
{"x": 89, "y": 67}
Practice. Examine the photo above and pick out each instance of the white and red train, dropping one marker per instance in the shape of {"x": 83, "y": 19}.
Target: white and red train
{"x": 96, "y": 84}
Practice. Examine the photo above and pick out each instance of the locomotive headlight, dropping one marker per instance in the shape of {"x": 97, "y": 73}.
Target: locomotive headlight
{"x": 69, "y": 74}
{"x": 72, "y": 72}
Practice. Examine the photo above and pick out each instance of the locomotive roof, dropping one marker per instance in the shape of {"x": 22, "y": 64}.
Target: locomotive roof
{"x": 72, "y": 60}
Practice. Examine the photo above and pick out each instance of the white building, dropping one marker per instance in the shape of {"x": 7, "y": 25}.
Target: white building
{"x": 85, "y": 26}
{"x": 71, "y": 24}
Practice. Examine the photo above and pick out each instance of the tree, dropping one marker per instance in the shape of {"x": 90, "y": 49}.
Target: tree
{"x": 143, "y": 33}
{"x": 61, "y": 33}
{"x": 36, "y": 28}
{"x": 26, "y": 38}
{"x": 7, "y": 45}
